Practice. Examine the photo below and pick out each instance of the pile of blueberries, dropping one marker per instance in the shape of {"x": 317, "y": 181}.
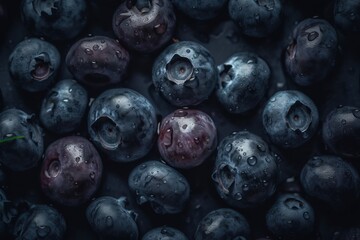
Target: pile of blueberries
{"x": 179, "y": 119}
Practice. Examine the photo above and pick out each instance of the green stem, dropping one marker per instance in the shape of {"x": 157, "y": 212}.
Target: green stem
{"x": 4, "y": 140}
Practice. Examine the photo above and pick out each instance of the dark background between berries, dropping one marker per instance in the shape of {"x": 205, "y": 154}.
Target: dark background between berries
{"x": 222, "y": 38}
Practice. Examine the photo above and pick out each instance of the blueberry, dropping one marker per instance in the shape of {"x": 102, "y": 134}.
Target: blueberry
{"x": 64, "y": 107}
{"x": 40, "y": 222}
{"x": 21, "y": 143}
{"x": 331, "y": 180}
{"x": 290, "y": 118}
{"x": 224, "y": 224}
{"x": 185, "y": 73}
{"x": 347, "y": 15}
{"x": 200, "y": 10}
{"x": 110, "y": 219}
{"x": 144, "y": 25}
{"x": 34, "y": 64}
{"x": 55, "y": 19}
{"x": 97, "y": 61}
{"x": 164, "y": 233}
{"x": 291, "y": 217}
{"x": 256, "y": 18}
{"x": 243, "y": 82}
{"x": 311, "y": 53}
{"x": 71, "y": 171}
{"x": 186, "y": 138}
{"x": 122, "y": 123}
{"x": 163, "y": 187}
{"x": 245, "y": 173}
{"x": 341, "y": 131}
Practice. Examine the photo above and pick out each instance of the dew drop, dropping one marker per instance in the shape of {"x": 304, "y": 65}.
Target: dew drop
{"x": 228, "y": 147}
{"x": 252, "y": 161}
{"x": 306, "y": 215}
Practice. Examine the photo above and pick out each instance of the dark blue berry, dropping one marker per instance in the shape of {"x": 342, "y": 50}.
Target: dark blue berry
{"x": 55, "y": 19}
{"x": 290, "y": 118}
{"x": 109, "y": 218}
{"x": 291, "y": 217}
{"x": 243, "y": 82}
{"x": 185, "y": 73}
{"x": 245, "y": 173}
{"x": 64, "y": 106}
{"x": 164, "y": 233}
{"x": 341, "y": 131}
{"x": 34, "y": 64}
{"x": 256, "y": 18}
{"x": 163, "y": 187}
{"x": 21, "y": 143}
{"x": 122, "y": 123}
{"x": 311, "y": 53}
{"x": 331, "y": 180}
{"x": 347, "y": 15}
{"x": 40, "y": 222}
{"x": 224, "y": 224}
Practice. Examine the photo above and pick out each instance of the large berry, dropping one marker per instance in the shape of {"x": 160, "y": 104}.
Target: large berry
{"x": 122, "y": 123}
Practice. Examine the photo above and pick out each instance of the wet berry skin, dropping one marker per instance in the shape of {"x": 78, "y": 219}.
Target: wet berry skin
{"x": 243, "y": 82}
{"x": 97, "y": 61}
{"x": 290, "y": 118}
{"x": 71, "y": 171}
{"x": 40, "y": 222}
{"x": 311, "y": 53}
{"x": 164, "y": 233}
{"x": 34, "y": 64}
{"x": 256, "y": 18}
{"x": 347, "y": 15}
{"x": 165, "y": 189}
{"x": 291, "y": 217}
{"x": 229, "y": 225}
{"x": 22, "y": 141}
{"x": 57, "y": 20}
{"x": 185, "y": 73}
{"x": 331, "y": 180}
{"x": 122, "y": 123}
{"x": 245, "y": 172}
{"x": 109, "y": 218}
{"x": 144, "y": 25}
{"x": 186, "y": 138}
{"x": 341, "y": 131}
{"x": 200, "y": 10}
{"x": 64, "y": 107}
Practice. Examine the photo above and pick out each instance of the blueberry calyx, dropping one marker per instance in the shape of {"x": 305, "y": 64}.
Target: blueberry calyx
{"x": 41, "y": 67}
{"x": 298, "y": 118}
{"x": 108, "y": 132}
{"x": 46, "y": 7}
{"x": 293, "y": 204}
{"x": 226, "y": 74}
{"x": 179, "y": 70}
{"x": 268, "y": 4}
{"x": 225, "y": 177}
